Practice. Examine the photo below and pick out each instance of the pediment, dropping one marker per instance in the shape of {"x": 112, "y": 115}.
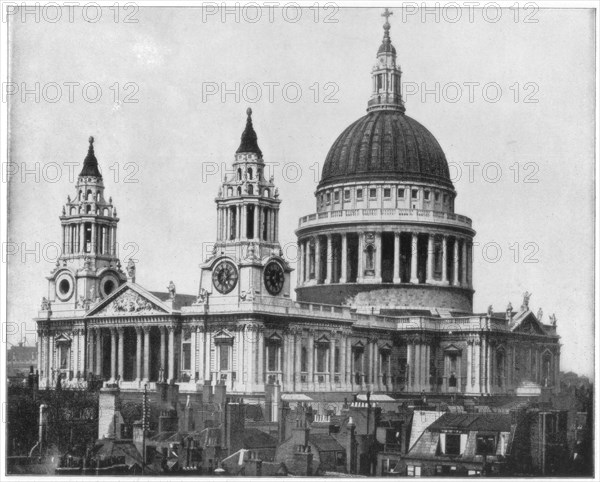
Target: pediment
{"x": 529, "y": 325}
{"x": 62, "y": 338}
{"x": 223, "y": 336}
{"x": 322, "y": 339}
{"x": 452, "y": 349}
{"x": 129, "y": 300}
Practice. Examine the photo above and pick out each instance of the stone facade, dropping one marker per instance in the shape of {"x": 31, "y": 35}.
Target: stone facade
{"x": 384, "y": 293}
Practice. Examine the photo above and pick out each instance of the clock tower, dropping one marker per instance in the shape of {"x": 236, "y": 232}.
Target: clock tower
{"x": 88, "y": 268}
{"x": 247, "y": 260}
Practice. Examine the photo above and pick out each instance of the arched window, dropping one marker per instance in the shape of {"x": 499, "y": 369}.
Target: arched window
{"x": 97, "y": 196}
{"x": 239, "y": 173}
{"x": 266, "y": 193}
{"x": 229, "y": 192}
{"x": 239, "y": 191}
{"x": 80, "y": 194}
{"x": 88, "y": 208}
{"x": 89, "y": 195}
{"x": 249, "y": 173}
{"x": 547, "y": 369}
{"x": 250, "y": 189}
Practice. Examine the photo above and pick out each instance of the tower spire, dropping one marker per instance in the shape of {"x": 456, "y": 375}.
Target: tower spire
{"x": 90, "y": 163}
{"x": 249, "y": 142}
{"x": 386, "y": 75}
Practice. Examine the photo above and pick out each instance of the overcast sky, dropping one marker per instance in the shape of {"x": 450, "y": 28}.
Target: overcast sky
{"x": 528, "y": 115}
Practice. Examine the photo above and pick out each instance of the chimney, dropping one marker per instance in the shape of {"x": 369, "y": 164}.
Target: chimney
{"x": 283, "y": 421}
{"x": 300, "y": 433}
{"x": 253, "y": 468}
{"x": 351, "y": 448}
{"x": 272, "y": 395}
{"x": 303, "y": 460}
{"x": 219, "y": 392}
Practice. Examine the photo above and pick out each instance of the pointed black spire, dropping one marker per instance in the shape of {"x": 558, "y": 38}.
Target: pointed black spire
{"x": 249, "y": 139}
{"x": 90, "y": 164}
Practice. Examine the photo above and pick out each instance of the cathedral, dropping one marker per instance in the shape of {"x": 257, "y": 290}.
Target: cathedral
{"x": 383, "y": 299}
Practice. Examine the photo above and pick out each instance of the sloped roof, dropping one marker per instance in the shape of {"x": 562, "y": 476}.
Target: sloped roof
{"x": 488, "y": 422}
{"x": 325, "y": 442}
{"x": 252, "y": 438}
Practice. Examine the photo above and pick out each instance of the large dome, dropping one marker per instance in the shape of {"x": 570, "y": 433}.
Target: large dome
{"x": 386, "y": 145}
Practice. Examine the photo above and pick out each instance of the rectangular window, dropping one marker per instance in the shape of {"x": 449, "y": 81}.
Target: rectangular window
{"x": 485, "y": 445}
{"x": 373, "y": 193}
{"x": 401, "y": 193}
{"x": 437, "y": 196}
{"x": 223, "y": 357}
{"x": 415, "y": 194}
{"x": 347, "y": 195}
{"x": 337, "y": 359}
{"x": 186, "y": 356}
{"x": 426, "y": 195}
{"x": 336, "y": 196}
{"x": 452, "y": 444}
{"x": 272, "y": 358}
{"x": 387, "y": 193}
{"x": 321, "y": 358}
{"x": 359, "y": 194}
{"x": 328, "y": 197}
{"x": 445, "y": 198}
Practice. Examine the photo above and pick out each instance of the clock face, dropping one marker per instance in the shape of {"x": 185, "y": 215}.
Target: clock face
{"x": 274, "y": 277}
{"x": 225, "y": 277}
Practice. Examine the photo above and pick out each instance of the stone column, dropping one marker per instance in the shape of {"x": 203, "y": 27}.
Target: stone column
{"x": 171, "y": 330}
{"x": 409, "y": 366}
{"x": 113, "y": 354}
{"x": 414, "y": 259}
{"x": 298, "y": 364}
{"x": 311, "y": 354}
{"x": 444, "y": 259}
{"x": 361, "y": 256}
{"x": 332, "y": 361}
{"x": 81, "y": 238}
{"x": 349, "y": 358}
{"x": 201, "y": 354}
{"x": 343, "y": 368}
{"x": 397, "y": 258}
{"x": 146, "y": 376}
{"x": 276, "y": 225}
{"x": 93, "y": 240}
{"x": 138, "y": 354}
{"x": 99, "y": 352}
{"x": 469, "y": 383}
{"x": 377, "y": 258}
{"x": 256, "y": 222}
{"x": 300, "y": 262}
{"x": 193, "y": 353}
{"x": 261, "y": 357}
{"x": 40, "y": 343}
{"x": 429, "y": 278}
{"x": 476, "y": 365}
{"x": 344, "y": 258}
{"x": 455, "y": 260}
{"x": 329, "y": 275}
{"x": 163, "y": 353}
{"x": 464, "y": 264}
{"x": 427, "y": 368}
{"x": 417, "y": 371}
{"x": 317, "y": 259}
{"x": 121, "y": 332}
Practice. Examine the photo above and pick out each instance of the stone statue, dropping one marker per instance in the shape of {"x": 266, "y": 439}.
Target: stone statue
{"x": 45, "y": 304}
{"x": 220, "y": 192}
{"x": 172, "y": 290}
{"x": 68, "y": 198}
{"x": 276, "y": 192}
{"x": 87, "y": 263}
{"x": 540, "y": 315}
{"x": 490, "y": 310}
{"x": 131, "y": 269}
{"x": 64, "y": 211}
{"x": 202, "y": 297}
{"x": 525, "y": 305}
{"x": 272, "y": 179}
{"x": 553, "y": 319}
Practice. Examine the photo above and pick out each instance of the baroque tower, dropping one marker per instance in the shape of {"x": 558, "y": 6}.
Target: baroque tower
{"x": 247, "y": 259}
{"x": 88, "y": 268}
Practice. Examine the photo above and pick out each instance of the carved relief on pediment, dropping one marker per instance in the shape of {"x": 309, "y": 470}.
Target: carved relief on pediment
{"x": 130, "y": 302}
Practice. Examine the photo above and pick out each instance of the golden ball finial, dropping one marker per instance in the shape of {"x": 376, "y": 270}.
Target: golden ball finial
{"x": 91, "y": 139}
{"x": 249, "y": 111}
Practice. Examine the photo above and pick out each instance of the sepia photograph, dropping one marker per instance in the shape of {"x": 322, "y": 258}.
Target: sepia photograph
{"x": 299, "y": 239}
